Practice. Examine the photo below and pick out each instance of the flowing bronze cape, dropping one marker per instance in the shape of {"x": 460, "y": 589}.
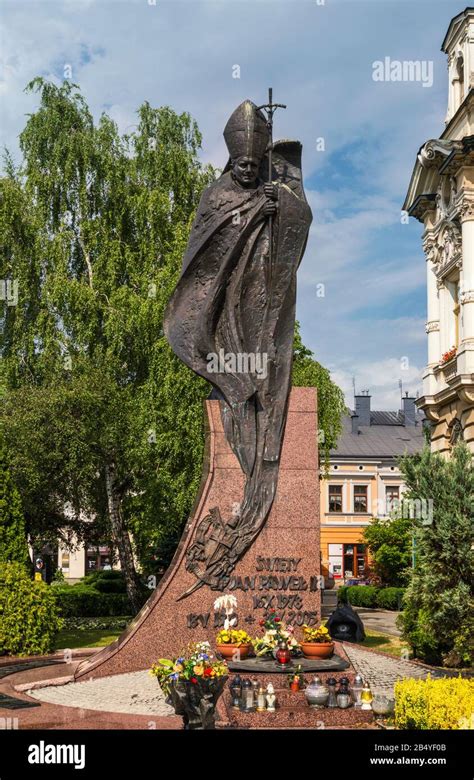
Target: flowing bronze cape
{"x": 233, "y": 298}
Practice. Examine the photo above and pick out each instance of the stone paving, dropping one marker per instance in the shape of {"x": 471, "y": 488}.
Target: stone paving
{"x": 382, "y": 671}
{"x": 138, "y": 693}
{"x": 135, "y": 693}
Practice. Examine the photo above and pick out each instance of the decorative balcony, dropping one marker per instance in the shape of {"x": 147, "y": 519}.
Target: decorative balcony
{"x": 447, "y": 368}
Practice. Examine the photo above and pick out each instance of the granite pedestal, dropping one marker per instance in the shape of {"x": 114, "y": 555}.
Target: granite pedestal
{"x": 279, "y": 571}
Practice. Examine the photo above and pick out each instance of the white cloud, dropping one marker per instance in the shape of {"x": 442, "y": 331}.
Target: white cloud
{"x": 381, "y": 378}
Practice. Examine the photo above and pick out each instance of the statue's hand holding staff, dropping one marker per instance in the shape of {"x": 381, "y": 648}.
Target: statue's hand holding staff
{"x": 271, "y": 191}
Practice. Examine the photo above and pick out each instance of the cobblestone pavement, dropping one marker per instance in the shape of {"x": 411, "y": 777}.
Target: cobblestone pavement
{"x": 382, "y": 671}
{"x": 136, "y": 693}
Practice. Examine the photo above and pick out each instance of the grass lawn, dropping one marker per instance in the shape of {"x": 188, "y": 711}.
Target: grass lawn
{"x": 97, "y": 637}
{"x": 383, "y": 642}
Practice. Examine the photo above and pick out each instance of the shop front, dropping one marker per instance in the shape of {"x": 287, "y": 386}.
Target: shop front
{"x": 344, "y": 556}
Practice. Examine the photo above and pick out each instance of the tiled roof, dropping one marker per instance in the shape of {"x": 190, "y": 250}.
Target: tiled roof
{"x": 385, "y": 437}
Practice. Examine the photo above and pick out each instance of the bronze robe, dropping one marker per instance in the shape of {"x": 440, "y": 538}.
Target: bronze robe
{"x": 233, "y": 297}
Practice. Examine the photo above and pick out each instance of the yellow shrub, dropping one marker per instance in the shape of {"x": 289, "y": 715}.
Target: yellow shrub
{"x": 447, "y": 703}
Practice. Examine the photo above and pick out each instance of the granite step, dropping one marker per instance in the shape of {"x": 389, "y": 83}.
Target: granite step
{"x": 293, "y": 711}
{"x": 301, "y": 716}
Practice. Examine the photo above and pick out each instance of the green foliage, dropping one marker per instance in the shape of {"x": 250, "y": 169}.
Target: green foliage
{"x": 102, "y": 574}
{"x": 58, "y": 577}
{"x": 370, "y": 596}
{"x": 110, "y": 586}
{"x": 389, "y": 598}
{"x": 389, "y": 541}
{"x": 94, "y": 227}
{"x": 13, "y": 544}
{"x": 437, "y": 619}
{"x": 54, "y": 456}
{"x": 106, "y": 581}
{"x": 418, "y": 632}
{"x": 307, "y": 372}
{"x": 462, "y": 653}
{"x": 342, "y": 594}
{"x": 115, "y": 623}
{"x": 361, "y": 595}
{"x": 84, "y": 601}
{"x": 29, "y": 619}
{"x": 434, "y": 704}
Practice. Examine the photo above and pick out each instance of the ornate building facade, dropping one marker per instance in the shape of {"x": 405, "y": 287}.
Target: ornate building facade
{"x": 441, "y": 196}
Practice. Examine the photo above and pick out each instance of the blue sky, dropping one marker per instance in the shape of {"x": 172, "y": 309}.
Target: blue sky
{"x": 361, "y": 296}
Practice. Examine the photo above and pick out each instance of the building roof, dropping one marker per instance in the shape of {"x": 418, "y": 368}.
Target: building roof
{"x": 386, "y": 418}
{"x": 454, "y": 24}
{"x": 385, "y": 437}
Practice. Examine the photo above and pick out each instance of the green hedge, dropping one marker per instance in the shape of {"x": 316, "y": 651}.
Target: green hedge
{"x": 29, "y": 619}
{"x": 106, "y": 581}
{"x": 342, "y": 594}
{"x": 83, "y": 601}
{"x": 362, "y": 595}
{"x": 358, "y": 595}
{"x": 370, "y": 596}
{"x": 390, "y": 598}
{"x": 110, "y": 586}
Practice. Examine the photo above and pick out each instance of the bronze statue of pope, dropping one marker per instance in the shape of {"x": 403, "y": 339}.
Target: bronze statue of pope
{"x": 236, "y": 298}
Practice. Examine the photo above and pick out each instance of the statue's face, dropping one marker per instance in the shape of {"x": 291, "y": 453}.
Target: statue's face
{"x": 245, "y": 170}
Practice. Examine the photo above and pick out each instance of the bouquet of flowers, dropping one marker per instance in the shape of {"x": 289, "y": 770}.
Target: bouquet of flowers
{"x": 275, "y": 631}
{"x": 232, "y": 636}
{"x": 196, "y": 666}
{"x": 320, "y": 634}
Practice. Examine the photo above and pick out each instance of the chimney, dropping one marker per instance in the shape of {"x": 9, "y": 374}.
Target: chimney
{"x": 362, "y": 407}
{"x": 355, "y": 423}
{"x": 409, "y": 410}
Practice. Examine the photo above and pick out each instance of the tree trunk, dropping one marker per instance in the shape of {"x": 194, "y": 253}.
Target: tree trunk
{"x": 121, "y": 537}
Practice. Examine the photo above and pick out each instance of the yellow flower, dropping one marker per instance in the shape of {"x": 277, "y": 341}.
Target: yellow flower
{"x": 198, "y": 669}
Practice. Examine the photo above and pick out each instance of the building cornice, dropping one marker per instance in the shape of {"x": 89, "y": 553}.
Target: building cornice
{"x": 361, "y": 476}
{"x": 461, "y": 385}
{"x": 462, "y": 153}
{"x": 455, "y": 25}
{"x": 439, "y": 157}
{"x": 459, "y": 117}
{"x": 424, "y": 181}
{"x": 423, "y": 203}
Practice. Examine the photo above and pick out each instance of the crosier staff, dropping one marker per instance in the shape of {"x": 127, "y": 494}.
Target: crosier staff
{"x": 270, "y": 109}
